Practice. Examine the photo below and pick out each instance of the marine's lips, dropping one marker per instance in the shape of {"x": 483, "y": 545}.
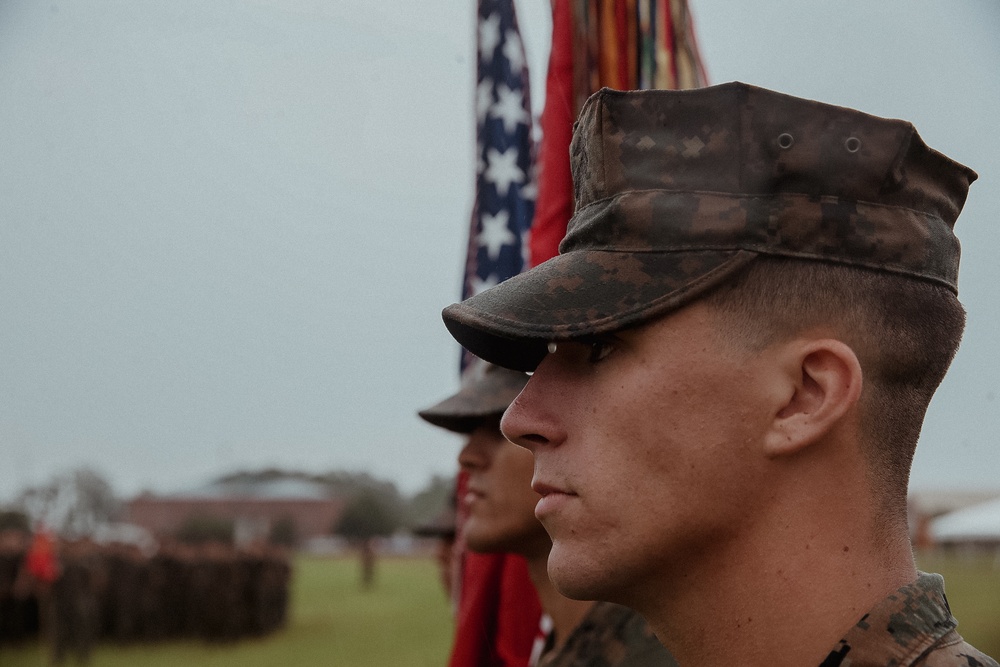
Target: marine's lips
{"x": 552, "y": 497}
{"x": 544, "y": 489}
{"x": 472, "y": 494}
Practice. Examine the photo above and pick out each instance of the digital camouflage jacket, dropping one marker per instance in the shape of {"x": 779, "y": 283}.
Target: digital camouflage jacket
{"x": 913, "y": 627}
{"x": 610, "y": 636}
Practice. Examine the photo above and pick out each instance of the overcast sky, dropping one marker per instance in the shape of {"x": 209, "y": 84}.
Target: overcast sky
{"x": 227, "y": 228}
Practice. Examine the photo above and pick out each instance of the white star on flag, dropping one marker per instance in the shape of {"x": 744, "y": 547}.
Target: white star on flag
{"x": 526, "y": 248}
{"x": 484, "y": 98}
{"x": 530, "y": 191}
{"x": 479, "y": 285}
{"x": 496, "y": 234}
{"x": 505, "y": 189}
{"x": 489, "y": 36}
{"x": 513, "y": 50}
{"x": 509, "y": 108}
{"x": 503, "y": 169}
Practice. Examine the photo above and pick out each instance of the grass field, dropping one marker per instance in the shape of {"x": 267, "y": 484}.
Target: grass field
{"x": 972, "y": 584}
{"x": 404, "y": 620}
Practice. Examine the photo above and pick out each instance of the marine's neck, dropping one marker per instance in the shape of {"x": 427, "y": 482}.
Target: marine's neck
{"x": 782, "y": 596}
{"x": 565, "y": 613}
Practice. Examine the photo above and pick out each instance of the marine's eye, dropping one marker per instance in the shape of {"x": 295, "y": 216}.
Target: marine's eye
{"x": 600, "y": 348}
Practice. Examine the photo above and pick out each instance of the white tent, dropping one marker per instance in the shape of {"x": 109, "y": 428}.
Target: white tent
{"x": 979, "y": 523}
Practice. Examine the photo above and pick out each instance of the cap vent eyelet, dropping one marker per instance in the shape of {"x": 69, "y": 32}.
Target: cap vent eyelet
{"x": 785, "y": 141}
{"x": 852, "y": 144}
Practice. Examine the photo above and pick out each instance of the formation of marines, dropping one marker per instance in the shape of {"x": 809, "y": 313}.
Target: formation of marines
{"x": 118, "y": 593}
{"x": 19, "y": 613}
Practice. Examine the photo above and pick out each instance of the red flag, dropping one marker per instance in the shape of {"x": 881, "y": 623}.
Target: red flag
{"x": 628, "y": 42}
{"x": 498, "y": 613}
{"x": 498, "y": 608}
{"x": 554, "y": 205}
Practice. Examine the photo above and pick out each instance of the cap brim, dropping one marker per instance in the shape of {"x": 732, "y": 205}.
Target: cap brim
{"x": 583, "y": 293}
{"x": 444, "y": 417}
{"x": 484, "y": 396}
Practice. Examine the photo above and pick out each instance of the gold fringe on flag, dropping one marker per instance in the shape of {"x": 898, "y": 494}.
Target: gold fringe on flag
{"x": 633, "y": 44}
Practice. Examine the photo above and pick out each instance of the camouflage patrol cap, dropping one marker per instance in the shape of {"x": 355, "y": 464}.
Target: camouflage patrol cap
{"x": 485, "y": 393}
{"x": 677, "y": 190}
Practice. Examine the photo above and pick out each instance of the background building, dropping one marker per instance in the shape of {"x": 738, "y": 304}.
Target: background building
{"x": 258, "y": 509}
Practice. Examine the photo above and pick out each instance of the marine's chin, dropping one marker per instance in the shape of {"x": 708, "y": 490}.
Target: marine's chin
{"x": 485, "y": 543}
{"x": 578, "y": 577}
{"x": 482, "y": 538}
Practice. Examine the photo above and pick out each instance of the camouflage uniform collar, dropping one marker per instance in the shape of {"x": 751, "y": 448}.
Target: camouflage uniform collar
{"x": 610, "y": 635}
{"x": 901, "y": 629}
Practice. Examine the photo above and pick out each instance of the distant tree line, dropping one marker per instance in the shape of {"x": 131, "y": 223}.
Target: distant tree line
{"x": 76, "y": 503}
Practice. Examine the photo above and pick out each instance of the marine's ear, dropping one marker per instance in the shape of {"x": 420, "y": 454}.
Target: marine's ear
{"x": 820, "y": 385}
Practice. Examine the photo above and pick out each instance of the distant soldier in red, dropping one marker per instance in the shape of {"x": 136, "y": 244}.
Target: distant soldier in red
{"x": 40, "y": 561}
{"x": 40, "y": 571}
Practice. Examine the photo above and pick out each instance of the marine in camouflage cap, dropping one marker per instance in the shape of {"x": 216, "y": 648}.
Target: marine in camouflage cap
{"x": 677, "y": 191}
{"x": 732, "y": 354}
{"x": 485, "y": 392}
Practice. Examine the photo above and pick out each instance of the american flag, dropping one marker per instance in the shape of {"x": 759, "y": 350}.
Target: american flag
{"x": 505, "y": 185}
{"x": 498, "y": 610}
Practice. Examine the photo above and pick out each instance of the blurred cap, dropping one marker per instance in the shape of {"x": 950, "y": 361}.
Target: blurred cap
{"x": 485, "y": 393}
